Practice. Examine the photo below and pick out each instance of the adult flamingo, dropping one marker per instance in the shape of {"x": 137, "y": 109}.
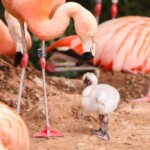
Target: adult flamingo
{"x": 124, "y": 46}
{"x": 13, "y": 131}
{"x": 8, "y": 39}
{"x": 48, "y": 19}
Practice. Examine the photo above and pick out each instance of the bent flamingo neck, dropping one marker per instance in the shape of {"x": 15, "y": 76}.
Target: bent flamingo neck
{"x": 48, "y": 19}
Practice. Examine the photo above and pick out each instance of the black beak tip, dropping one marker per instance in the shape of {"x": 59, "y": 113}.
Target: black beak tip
{"x": 18, "y": 58}
{"x": 84, "y": 58}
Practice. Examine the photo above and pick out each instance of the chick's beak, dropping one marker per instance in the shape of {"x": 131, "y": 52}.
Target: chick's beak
{"x": 86, "y": 82}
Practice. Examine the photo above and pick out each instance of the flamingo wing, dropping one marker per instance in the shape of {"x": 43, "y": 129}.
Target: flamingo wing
{"x": 123, "y": 43}
{"x": 67, "y": 43}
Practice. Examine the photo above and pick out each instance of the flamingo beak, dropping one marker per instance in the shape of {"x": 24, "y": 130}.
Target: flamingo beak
{"x": 19, "y": 54}
{"x": 88, "y": 52}
{"x": 18, "y": 58}
{"x": 84, "y": 58}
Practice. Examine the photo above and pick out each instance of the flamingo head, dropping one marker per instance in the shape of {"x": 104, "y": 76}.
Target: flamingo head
{"x": 88, "y": 52}
{"x": 90, "y": 46}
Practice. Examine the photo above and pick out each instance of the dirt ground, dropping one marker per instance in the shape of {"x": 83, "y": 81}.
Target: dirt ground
{"x": 129, "y": 125}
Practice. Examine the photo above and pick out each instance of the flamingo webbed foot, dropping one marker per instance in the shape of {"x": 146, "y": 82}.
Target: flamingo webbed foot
{"x": 47, "y": 132}
{"x": 98, "y": 132}
{"x": 101, "y": 133}
{"x": 105, "y": 136}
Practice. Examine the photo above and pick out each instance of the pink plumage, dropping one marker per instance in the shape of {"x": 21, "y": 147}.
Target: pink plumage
{"x": 123, "y": 44}
{"x": 13, "y": 131}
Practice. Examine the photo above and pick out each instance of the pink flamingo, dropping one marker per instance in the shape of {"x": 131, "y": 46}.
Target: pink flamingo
{"x": 12, "y": 128}
{"x": 124, "y": 46}
{"x": 48, "y": 19}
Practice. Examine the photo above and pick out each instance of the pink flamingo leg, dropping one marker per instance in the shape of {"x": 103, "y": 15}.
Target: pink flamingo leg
{"x": 24, "y": 62}
{"x": 47, "y": 131}
{"x": 114, "y": 9}
{"x": 144, "y": 99}
{"x": 97, "y": 9}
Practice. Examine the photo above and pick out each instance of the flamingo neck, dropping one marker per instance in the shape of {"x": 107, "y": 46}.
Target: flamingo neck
{"x": 47, "y": 29}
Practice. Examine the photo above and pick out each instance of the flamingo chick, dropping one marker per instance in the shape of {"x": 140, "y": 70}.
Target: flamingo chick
{"x": 13, "y": 131}
{"x": 101, "y": 98}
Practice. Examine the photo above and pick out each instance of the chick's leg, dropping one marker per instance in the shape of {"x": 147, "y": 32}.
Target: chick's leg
{"x": 105, "y": 135}
{"x": 100, "y": 131}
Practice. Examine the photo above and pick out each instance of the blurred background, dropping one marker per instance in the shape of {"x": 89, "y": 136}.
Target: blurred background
{"x": 125, "y": 8}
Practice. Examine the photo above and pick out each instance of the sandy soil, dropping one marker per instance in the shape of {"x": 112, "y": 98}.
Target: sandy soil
{"x": 129, "y": 125}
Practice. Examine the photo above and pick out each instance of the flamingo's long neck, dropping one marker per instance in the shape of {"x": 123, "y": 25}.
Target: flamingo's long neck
{"x": 48, "y": 29}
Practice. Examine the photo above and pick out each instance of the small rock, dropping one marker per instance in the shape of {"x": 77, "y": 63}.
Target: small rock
{"x": 38, "y": 82}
